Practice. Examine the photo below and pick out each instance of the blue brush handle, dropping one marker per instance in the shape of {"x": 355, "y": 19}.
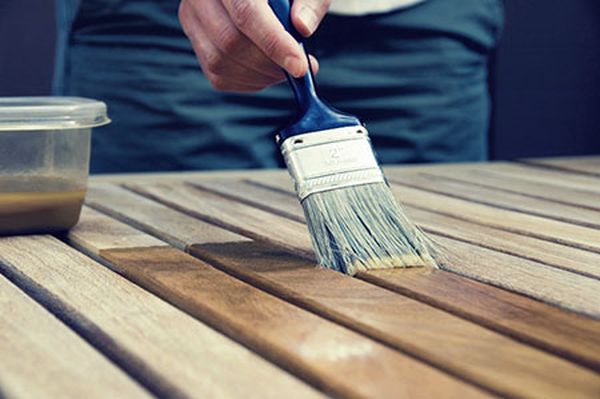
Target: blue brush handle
{"x": 313, "y": 114}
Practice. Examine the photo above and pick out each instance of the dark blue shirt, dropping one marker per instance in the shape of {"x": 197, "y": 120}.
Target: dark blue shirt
{"x": 417, "y": 77}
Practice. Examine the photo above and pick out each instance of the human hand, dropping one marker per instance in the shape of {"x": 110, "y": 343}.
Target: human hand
{"x": 240, "y": 44}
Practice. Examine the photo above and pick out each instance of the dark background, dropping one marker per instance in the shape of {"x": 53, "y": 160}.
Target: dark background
{"x": 545, "y": 77}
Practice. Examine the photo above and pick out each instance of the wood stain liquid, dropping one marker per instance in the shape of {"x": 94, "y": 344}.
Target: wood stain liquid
{"x": 39, "y": 205}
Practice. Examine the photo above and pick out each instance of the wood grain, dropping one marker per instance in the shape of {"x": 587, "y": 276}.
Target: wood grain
{"x": 272, "y": 201}
{"x": 454, "y": 187}
{"x": 375, "y": 312}
{"x": 566, "y": 180}
{"x": 333, "y": 358}
{"x": 169, "y": 261}
{"x": 200, "y": 299}
{"x": 530, "y": 248}
{"x": 517, "y": 222}
{"x": 557, "y": 287}
{"x": 41, "y": 357}
{"x": 534, "y": 279}
{"x": 524, "y": 276}
{"x": 587, "y": 165}
{"x": 552, "y": 190}
{"x": 571, "y": 336}
{"x": 548, "y": 253}
{"x": 235, "y": 216}
{"x": 425, "y": 332}
{"x": 171, "y": 353}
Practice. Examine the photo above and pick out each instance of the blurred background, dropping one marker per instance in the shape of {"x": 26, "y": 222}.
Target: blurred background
{"x": 544, "y": 77}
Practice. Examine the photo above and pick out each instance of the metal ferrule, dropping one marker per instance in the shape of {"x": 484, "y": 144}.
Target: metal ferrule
{"x": 331, "y": 159}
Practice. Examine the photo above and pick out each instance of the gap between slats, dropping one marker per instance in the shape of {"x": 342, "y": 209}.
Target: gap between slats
{"x": 169, "y": 352}
{"x": 120, "y": 215}
{"x": 541, "y": 188}
{"x": 157, "y": 270}
{"x": 589, "y": 166}
{"x": 247, "y": 253}
{"x": 292, "y": 235}
{"x": 510, "y": 241}
{"x": 471, "y": 190}
{"x": 43, "y": 357}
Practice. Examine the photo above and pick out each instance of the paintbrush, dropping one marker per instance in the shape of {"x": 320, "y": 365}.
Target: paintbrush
{"x": 354, "y": 220}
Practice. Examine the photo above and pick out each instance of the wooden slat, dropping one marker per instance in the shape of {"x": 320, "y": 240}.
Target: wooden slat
{"x": 551, "y": 190}
{"x": 571, "y": 336}
{"x": 530, "y": 225}
{"x": 282, "y": 183}
{"x": 549, "y": 253}
{"x": 235, "y": 216}
{"x": 534, "y": 226}
{"x": 333, "y": 358}
{"x": 559, "y": 287}
{"x": 371, "y": 310}
{"x": 545, "y": 252}
{"x": 397, "y": 320}
{"x": 228, "y": 174}
{"x": 104, "y": 235}
{"x": 505, "y": 200}
{"x": 566, "y": 290}
{"x": 171, "y": 353}
{"x": 178, "y": 176}
{"x": 587, "y": 165}
{"x": 168, "y": 223}
{"x": 568, "y": 181}
{"x": 587, "y": 349}
{"x": 273, "y": 201}
{"x": 42, "y": 358}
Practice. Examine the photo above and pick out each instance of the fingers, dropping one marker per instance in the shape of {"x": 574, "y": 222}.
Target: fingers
{"x": 314, "y": 63}
{"x": 223, "y": 72}
{"x": 215, "y": 21}
{"x": 256, "y": 20}
{"x": 232, "y": 59}
{"x": 308, "y": 14}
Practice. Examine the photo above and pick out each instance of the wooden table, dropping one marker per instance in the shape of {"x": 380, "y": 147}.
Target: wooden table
{"x": 203, "y": 285}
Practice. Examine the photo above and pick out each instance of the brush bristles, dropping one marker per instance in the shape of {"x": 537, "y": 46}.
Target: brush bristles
{"x": 363, "y": 228}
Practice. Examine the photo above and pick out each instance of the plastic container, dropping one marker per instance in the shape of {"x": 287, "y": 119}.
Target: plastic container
{"x": 44, "y": 161}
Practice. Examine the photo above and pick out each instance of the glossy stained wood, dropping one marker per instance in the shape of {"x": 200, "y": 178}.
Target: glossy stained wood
{"x": 268, "y": 325}
{"x": 534, "y": 279}
{"x": 332, "y": 358}
{"x": 438, "y": 337}
{"x": 65, "y": 365}
{"x": 538, "y": 333}
{"x": 245, "y": 313}
{"x": 539, "y": 324}
{"x": 375, "y": 312}
{"x": 169, "y": 352}
{"x": 548, "y": 253}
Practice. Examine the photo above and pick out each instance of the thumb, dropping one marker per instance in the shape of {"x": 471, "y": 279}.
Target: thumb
{"x": 307, "y": 15}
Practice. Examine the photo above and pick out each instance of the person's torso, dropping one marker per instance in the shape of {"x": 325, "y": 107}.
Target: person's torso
{"x": 363, "y": 7}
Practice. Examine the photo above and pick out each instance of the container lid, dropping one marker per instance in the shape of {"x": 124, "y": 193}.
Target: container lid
{"x": 51, "y": 113}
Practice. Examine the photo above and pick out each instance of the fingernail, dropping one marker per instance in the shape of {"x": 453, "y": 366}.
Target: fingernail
{"x": 292, "y": 65}
{"x": 308, "y": 18}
